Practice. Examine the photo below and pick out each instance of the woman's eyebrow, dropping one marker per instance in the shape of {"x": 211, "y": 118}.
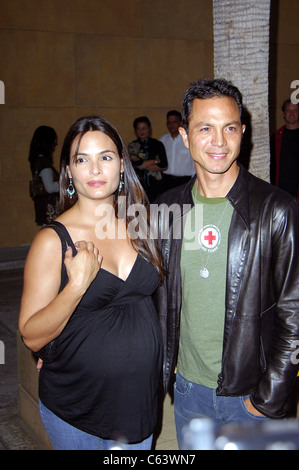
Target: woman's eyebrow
{"x": 99, "y": 153}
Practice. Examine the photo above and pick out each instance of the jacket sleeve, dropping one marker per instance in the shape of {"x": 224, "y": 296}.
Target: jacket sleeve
{"x": 161, "y": 300}
{"x": 166, "y": 297}
{"x": 275, "y": 386}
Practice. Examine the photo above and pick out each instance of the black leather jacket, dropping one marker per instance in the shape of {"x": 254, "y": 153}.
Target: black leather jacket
{"x": 262, "y": 292}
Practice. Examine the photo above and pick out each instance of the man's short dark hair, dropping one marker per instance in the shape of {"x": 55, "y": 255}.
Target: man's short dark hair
{"x": 174, "y": 112}
{"x": 283, "y": 107}
{"x": 209, "y": 88}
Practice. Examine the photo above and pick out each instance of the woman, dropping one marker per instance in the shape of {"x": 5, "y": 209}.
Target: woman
{"x": 149, "y": 158}
{"x": 45, "y": 190}
{"x": 91, "y": 317}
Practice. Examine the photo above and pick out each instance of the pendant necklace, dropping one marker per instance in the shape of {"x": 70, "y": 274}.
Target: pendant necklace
{"x": 204, "y": 272}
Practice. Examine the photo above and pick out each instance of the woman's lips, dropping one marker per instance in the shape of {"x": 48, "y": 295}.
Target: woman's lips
{"x": 96, "y": 183}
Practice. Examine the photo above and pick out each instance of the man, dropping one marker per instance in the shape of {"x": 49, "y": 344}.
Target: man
{"x": 180, "y": 164}
{"x": 287, "y": 150}
{"x": 229, "y": 308}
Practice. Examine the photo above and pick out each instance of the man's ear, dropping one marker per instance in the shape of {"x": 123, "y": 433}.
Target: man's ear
{"x": 184, "y": 135}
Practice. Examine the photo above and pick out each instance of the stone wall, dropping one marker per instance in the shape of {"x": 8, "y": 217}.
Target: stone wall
{"x": 113, "y": 58}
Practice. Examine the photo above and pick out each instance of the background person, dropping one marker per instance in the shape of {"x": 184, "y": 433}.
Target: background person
{"x": 148, "y": 157}
{"x": 287, "y": 150}
{"x": 86, "y": 307}
{"x": 41, "y": 151}
{"x": 180, "y": 164}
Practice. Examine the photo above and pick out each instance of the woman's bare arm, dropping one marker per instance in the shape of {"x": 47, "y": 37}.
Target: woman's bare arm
{"x": 45, "y": 312}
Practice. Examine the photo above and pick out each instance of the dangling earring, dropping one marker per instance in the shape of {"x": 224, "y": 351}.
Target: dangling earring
{"x": 71, "y": 189}
{"x": 121, "y": 182}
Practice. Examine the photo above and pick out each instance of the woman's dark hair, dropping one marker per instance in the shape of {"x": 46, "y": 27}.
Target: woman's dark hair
{"x": 42, "y": 143}
{"x": 209, "y": 88}
{"x": 140, "y": 119}
{"x": 132, "y": 192}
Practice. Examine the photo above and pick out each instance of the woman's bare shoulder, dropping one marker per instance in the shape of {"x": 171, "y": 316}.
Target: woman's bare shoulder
{"x": 46, "y": 247}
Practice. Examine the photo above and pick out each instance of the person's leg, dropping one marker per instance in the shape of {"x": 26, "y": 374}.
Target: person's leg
{"x": 146, "y": 444}
{"x": 233, "y": 410}
{"x": 194, "y": 401}
{"x": 191, "y": 401}
{"x": 64, "y": 436}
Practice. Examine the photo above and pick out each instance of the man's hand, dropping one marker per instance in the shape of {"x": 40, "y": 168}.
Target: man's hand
{"x": 251, "y": 408}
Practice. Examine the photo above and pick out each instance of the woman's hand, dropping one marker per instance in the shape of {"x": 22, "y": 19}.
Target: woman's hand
{"x": 82, "y": 268}
{"x": 44, "y": 309}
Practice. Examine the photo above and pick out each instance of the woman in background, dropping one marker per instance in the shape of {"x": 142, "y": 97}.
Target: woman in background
{"x": 41, "y": 151}
{"x": 149, "y": 158}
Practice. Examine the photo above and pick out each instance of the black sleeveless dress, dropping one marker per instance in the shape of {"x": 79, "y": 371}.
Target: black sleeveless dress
{"x": 101, "y": 374}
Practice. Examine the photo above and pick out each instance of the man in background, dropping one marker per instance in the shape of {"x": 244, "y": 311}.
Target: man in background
{"x": 180, "y": 164}
{"x": 287, "y": 150}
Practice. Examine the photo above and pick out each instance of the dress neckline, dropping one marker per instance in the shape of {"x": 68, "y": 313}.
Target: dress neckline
{"x": 101, "y": 269}
{"x": 120, "y": 278}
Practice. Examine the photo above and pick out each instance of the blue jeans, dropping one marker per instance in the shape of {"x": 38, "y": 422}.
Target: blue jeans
{"x": 193, "y": 401}
{"x": 66, "y": 437}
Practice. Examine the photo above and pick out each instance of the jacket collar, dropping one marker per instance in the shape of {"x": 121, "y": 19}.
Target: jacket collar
{"x": 186, "y": 194}
{"x": 239, "y": 196}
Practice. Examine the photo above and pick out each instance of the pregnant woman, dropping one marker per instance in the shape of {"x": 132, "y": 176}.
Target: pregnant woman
{"x": 86, "y": 307}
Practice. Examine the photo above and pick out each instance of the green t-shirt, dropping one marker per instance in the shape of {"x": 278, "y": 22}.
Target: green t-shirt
{"x": 203, "y": 298}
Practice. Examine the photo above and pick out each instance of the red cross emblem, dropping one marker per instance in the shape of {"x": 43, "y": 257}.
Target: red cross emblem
{"x": 209, "y": 238}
